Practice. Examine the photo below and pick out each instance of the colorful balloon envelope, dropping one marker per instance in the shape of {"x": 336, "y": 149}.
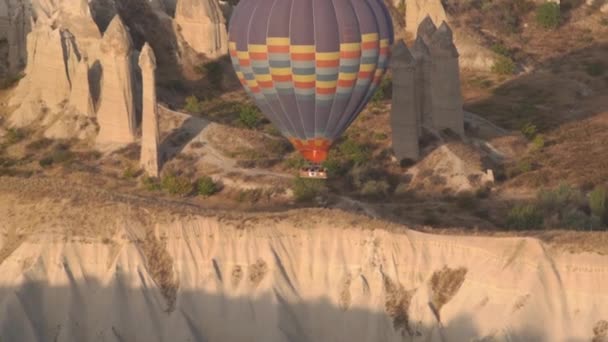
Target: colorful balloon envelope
{"x": 310, "y": 65}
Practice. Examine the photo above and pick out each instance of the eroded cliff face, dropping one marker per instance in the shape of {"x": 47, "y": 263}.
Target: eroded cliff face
{"x": 80, "y": 271}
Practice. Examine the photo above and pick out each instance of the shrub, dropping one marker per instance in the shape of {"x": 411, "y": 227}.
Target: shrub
{"x": 375, "y": 188}
{"x": 548, "y": 15}
{"x": 595, "y": 69}
{"x": 130, "y": 173}
{"x": 205, "y": 186}
{"x": 249, "y": 116}
{"x": 354, "y": 151}
{"x": 45, "y": 162}
{"x": 176, "y": 185}
{"x": 503, "y": 65}
{"x": 576, "y": 219}
{"x": 558, "y": 199}
{"x": 380, "y": 136}
{"x": 500, "y": 49}
{"x": 529, "y": 130}
{"x": 295, "y": 162}
{"x": 250, "y": 195}
{"x": 39, "y": 144}
{"x": 305, "y": 189}
{"x": 524, "y": 217}
{"x": 14, "y": 135}
{"x": 466, "y": 200}
{"x": 538, "y": 142}
{"x": 193, "y": 105}
{"x": 150, "y": 184}
{"x": 383, "y": 91}
{"x": 524, "y": 166}
{"x": 597, "y": 203}
{"x": 334, "y": 167}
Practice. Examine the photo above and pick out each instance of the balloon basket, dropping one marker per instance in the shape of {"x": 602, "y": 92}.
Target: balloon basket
{"x": 313, "y": 172}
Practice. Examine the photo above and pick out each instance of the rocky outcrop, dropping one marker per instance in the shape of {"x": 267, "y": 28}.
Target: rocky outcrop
{"x": 420, "y": 16}
{"x": 405, "y": 109}
{"x": 426, "y": 88}
{"x": 202, "y": 25}
{"x": 116, "y": 113}
{"x": 447, "y": 112}
{"x": 80, "y": 95}
{"x": 47, "y": 83}
{"x": 421, "y": 53}
{"x": 15, "y": 17}
{"x": 149, "y": 161}
{"x": 418, "y": 10}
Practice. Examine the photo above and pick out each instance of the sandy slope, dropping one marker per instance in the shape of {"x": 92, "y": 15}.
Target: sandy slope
{"x": 270, "y": 278}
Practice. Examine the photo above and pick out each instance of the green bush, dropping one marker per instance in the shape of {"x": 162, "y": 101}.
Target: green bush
{"x": 193, "y": 105}
{"x": 150, "y": 184}
{"x": 524, "y": 166}
{"x": 130, "y": 173}
{"x": 524, "y": 217}
{"x": 466, "y": 200}
{"x": 576, "y": 219}
{"x": 597, "y": 203}
{"x": 595, "y": 69}
{"x": 249, "y": 116}
{"x": 558, "y": 199}
{"x": 538, "y": 142}
{"x": 500, "y": 50}
{"x": 503, "y": 65}
{"x": 354, "y": 151}
{"x": 529, "y": 131}
{"x": 14, "y": 135}
{"x": 383, "y": 92}
{"x": 306, "y": 189}
{"x": 39, "y": 144}
{"x": 176, "y": 185}
{"x": 205, "y": 186}
{"x": 296, "y": 162}
{"x": 375, "y": 188}
{"x": 548, "y": 15}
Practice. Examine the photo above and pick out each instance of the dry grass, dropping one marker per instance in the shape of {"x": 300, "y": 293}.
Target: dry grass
{"x": 160, "y": 267}
{"x": 445, "y": 283}
{"x": 397, "y": 305}
{"x": 257, "y": 272}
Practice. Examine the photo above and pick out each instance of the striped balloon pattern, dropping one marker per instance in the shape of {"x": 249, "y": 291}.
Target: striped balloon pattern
{"x": 311, "y": 66}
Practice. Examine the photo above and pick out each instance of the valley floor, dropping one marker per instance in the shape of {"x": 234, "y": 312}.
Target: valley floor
{"x": 82, "y": 264}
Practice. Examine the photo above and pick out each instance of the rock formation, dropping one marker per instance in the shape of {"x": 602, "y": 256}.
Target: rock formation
{"x": 202, "y": 26}
{"x": 116, "y": 114}
{"x": 421, "y": 13}
{"x": 446, "y": 95}
{"x": 80, "y": 95}
{"x": 150, "y": 133}
{"x": 426, "y": 88}
{"x": 405, "y": 109}
{"x": 421, "y": 53}
{"x": 418, "y": 10}
{"x": 47, "y": 83}
{"x": 14, "y": 26}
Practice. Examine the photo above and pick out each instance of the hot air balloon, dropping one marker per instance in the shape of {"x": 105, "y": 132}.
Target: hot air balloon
{"x": 311, "y": 66}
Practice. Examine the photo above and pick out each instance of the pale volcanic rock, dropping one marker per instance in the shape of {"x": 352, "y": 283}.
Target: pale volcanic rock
{"x": 421, "y": 53}
{"x": 426, "y": 29}
{"x": 418, "y": 10}
{"x": 150, "y": 133}
{"x": 15, "y": 24}
{"x": 405, "y": 110}
{"x": 202, "y": 26}
{"x": 47, "y": 83}
{"x": 80, "y": 95}
{"x": 445, "y": 82}
{"x": 116, "y": 114}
